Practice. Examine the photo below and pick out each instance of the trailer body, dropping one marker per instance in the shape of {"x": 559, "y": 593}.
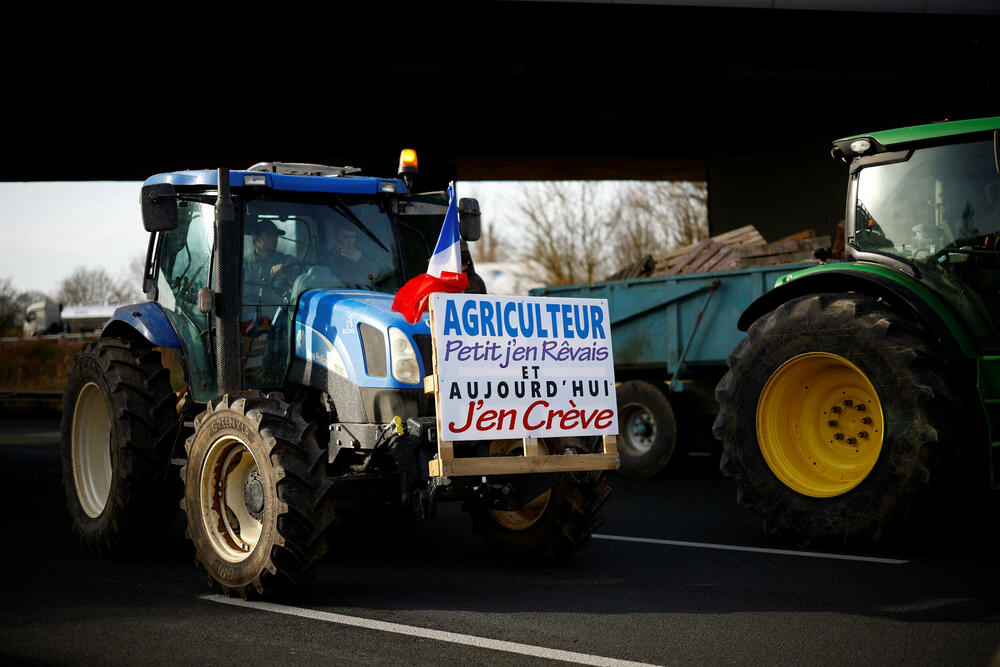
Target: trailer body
{"x": 671, "y": 336}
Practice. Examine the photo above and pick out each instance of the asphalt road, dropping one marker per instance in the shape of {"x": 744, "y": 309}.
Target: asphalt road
{"x": 701, "y": 586}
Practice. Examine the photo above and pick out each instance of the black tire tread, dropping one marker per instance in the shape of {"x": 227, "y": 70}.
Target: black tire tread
{"x": 920, "y": 398}
{"x": 573, "y": 513}
{"x": 144, "y": 420}
{"x": 304, "y": 516}
{"x": 656, "y": 403}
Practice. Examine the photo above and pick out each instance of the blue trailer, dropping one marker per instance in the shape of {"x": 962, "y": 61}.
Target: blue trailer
{"x": 671, "y": 336}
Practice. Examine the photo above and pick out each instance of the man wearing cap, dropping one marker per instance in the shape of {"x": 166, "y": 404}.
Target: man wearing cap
{"x": 262, "y": 264}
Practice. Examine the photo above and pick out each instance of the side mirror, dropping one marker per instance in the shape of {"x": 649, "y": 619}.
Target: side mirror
{"x": 469, "y": 219}
{"x": 159, "y": 207}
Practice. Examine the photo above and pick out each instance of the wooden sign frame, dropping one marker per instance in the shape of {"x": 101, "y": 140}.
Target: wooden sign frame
{"x": 532, "y": 461}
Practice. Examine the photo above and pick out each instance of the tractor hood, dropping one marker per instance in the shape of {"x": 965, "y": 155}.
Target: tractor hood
{"x": 347, "y": 332}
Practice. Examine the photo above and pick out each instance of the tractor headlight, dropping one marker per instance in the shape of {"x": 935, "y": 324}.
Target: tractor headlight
{"x": 860, "y": 146}
{"x": 404, "y": 360}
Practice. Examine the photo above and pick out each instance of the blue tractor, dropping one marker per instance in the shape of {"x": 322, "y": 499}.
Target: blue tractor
{"x": 303, "y": 391}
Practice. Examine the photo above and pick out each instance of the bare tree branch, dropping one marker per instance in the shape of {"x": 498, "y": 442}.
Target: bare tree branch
{"x": 567, "y": 227}
{"x": 13, "y": 306}
{"x": 659, "y": 216}
{"x": 92, "y": 286}
{"x": 492, "y": 245}
{"x": 10, "y": 305}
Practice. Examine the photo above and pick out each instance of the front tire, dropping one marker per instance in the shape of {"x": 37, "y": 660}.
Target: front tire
{"x": 118, "y": 426}
{"x": 254, "y": 494}
{"x": 551, "y": 527}
{"x": 831, "y": 416}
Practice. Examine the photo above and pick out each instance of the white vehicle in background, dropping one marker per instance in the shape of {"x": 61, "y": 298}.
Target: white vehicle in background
{"x": 48, "y": 317}
{"x": 87, "y": 319}
{"x": 42, "y": 317}
{"x": 507, "y": 278}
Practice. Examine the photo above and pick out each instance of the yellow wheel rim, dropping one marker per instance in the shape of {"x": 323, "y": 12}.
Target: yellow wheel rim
{"x": 528, "y": 515}
{"x": 820, "y": 424}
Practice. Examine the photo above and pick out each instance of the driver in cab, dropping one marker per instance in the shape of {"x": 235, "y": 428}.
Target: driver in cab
{"x": 262, "y": 267}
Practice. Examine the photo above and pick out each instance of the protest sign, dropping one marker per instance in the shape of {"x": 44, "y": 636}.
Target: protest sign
{"x": 523, "y": 367}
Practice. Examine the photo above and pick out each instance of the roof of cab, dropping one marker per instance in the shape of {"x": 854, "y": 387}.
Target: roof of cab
{"x": 904, "y": 135}
{"x": 361, "y": 185}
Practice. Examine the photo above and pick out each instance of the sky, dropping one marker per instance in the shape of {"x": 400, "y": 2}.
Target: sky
{"x": 48, "y": 229}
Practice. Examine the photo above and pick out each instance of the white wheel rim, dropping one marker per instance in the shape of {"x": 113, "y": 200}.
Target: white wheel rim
{"x": 639, "y": 433}
{"x": 90, "y": 445}
{"x": 228, "y": 521}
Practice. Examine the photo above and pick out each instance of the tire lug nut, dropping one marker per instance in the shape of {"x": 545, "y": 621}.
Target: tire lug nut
{"x": 838, "y": 436}
{"x": 835, "y": 409}
{"x": 866, "y": 420}
{"x": 860, "y": 407}
{"x": 832, "y": 422}
{"x": 863, "y": 434}
{"x": 847, "y": 403}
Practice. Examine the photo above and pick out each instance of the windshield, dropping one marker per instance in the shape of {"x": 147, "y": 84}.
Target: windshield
{"x": 331, "y": 241}
{"x": 943, "y": 198}
{"x": 940, "y": 211}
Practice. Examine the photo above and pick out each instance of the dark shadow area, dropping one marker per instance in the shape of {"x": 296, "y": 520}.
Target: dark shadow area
{"x": 749, "y": 99}
{"x": 944, "y": 604}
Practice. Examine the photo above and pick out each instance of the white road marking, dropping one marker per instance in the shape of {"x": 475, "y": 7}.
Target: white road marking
{"x": 438, "y": 635}
{"x": 729, "y": 547}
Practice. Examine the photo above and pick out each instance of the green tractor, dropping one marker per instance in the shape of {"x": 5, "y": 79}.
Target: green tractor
{"x": 864, "y": 383}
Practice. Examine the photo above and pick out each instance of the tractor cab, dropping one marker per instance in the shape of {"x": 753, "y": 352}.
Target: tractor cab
{"x": 932, "y": 210}
{"x": 299, "y": 228}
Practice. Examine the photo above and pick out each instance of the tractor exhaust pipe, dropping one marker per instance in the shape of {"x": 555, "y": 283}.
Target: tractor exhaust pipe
{"x": 225, "y": 278}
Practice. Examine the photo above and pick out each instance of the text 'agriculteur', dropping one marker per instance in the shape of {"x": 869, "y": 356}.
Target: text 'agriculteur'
{"x": 512, "y": 367}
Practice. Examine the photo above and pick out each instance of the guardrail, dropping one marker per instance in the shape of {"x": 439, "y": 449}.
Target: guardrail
{"x": 57, "y": 336}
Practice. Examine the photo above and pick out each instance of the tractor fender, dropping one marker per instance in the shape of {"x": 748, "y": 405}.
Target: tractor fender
{"x": 142, "y": 320}
{"x": 926, "y": 307}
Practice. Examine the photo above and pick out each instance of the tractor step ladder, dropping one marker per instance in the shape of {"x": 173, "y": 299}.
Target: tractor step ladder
{"x": 988, "y": 382}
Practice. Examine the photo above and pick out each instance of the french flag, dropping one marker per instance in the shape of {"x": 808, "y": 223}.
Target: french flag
{"x": 444, "y": 271}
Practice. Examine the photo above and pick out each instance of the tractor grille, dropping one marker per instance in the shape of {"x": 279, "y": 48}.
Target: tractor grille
{"x": 373, "y": 342}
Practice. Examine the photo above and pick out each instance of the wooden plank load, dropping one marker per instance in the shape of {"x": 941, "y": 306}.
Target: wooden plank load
{"x": 736, "y": 249}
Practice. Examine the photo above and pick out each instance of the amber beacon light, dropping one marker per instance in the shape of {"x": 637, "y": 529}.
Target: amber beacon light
{"x": 408, "y": 161}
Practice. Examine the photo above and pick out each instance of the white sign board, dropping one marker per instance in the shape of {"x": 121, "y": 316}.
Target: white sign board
{"x": 523, "y": 367}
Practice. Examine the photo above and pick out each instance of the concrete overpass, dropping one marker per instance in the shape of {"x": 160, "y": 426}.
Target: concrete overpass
{"x": 746, "y": 97}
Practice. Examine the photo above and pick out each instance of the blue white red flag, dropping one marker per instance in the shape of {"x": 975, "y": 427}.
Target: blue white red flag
{"x": 444, "y": 270}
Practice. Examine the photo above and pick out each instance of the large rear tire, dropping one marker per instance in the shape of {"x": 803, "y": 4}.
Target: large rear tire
{"x": 551, "y": 527}
{"x": 831, "y": 416}
{"x": 648, "y": 429}
{"x": 254, "y": 494}
{"x": 118, "y": 426}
